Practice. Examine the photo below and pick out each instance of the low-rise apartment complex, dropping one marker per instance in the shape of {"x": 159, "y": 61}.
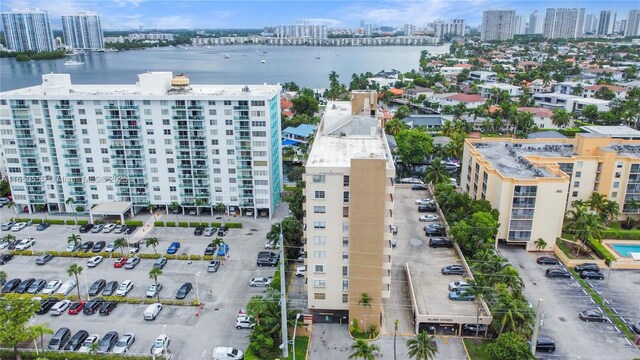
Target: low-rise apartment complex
{"x": 348, "y": 213}
{"x": 534, "y": 182}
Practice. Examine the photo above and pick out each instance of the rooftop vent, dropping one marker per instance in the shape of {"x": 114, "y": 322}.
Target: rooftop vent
{"x": 180, "y": 81}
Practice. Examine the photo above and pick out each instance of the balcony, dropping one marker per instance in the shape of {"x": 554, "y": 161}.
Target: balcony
{"x": 241, "y": 107}
{"x": 66, "y": 127}
{"x": 244, "y": 167}
{"x": 195, "y": 107}
{"x": 21, "y": 117}
{"x": 178, "y": 107}
{"x": 244, "y": 128}
{"x": 245, "y": 186}
{"x": 243, "y": 137}
{"x": 23, "y": 126}
{"x": 69, "y": 137}
{"x": 179, "y": 117}
{"x": 37, "y": 192}
{"x": 193, "y": 176}
{"x": 29, "y": 155}
{"x": 196, "y": 117}
{"x": 136, "y": 175}
{"x": 128, "y": 107}
{"x": 63, "y": 106}
{"x": 38, "y": 201}
{"x": 77, "y": 192}
{"x": 245, "y": 204}
{"x": 69, "y": 146}
{"x": 71, "y": 156}
{"x": 64, "y": 117}
{"x": 24, "y": 136}
{"x": 27, "y": 146}
{"x": 19, "y": 106}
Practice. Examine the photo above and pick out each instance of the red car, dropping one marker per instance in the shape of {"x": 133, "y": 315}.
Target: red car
{"x": 119, "y": 262}
{"x": 76, "y": 307}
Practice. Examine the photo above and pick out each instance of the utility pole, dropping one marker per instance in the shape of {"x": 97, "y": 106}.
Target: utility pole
{"x": 536, "y": 329}
{"x": 283, "y": 299}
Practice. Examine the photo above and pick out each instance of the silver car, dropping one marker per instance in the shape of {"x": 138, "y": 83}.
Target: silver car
{"x": 153, "y": 290}
{"x": 209, "y": 231}
{"x": 125, "y": 342}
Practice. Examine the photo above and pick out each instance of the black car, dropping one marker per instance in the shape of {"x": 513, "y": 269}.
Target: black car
{"x": 472, "y": 328}
{"x": 547, "y": 260}
{"x": 92, "y": 306}
{"x": 198, "y": 230}
{"x": 13, "y": 245}
{"x": 210, "y": 249}
{"x": 24, "y": 285}
{"x": 76, "y": 340}
{"x": 440, "y": 242}
{"x": 588, "y": 274}
{"x": 107, "y": 308}
{"x": 86, "y": 246}
{"x": 268, "y": 254}
{"x": 46, "y": 305}
{"x": 184, "y": 290}
{"x": 557, "y": 273}
{"x": 545, "y": 343}
{"x": 430, "y": 231}
{"x": 37, "y": 286}
{"x": 5, "y": 258}
{"x": 434, "y": 226}
{"x": 267, "y": 261}
{"x": 592, "y": 315}
{"x": 41, "y": 260}
{"x": 110, "y": 288}
{"x": 426, "y": 208}
{"x": 223, "y": 230}
{"x": 452, "y": 270}
{"x": 130, "y": 230}
{"x": 418, "y": 187}
{"x": 11, "y": 285}
{"x": 99, "y": 246}
{"x": 86, "y": 228}
{"x": 587, "y": 266}
{"x": 636, "y": 328}
{"x": 97, "y": 286}
{"x": 108, "y": 342}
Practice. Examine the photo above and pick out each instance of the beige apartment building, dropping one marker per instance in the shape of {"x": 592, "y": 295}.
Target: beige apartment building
{"x": 533, "y": 182}
{"x": 348, "y": 213}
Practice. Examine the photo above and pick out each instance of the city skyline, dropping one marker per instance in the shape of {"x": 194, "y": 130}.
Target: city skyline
{"x": 153, "y": 14}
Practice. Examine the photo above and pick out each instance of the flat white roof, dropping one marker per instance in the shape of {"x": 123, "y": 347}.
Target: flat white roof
{"x": 111, "y": 208}
{"x": 613, "y": 131}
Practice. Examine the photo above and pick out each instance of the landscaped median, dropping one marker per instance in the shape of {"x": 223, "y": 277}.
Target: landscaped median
{"x": 114, "y": 255}
{"x": 67, "y": 355}
{"x": 118, "y": 299}
{"x": 184, "y": 224}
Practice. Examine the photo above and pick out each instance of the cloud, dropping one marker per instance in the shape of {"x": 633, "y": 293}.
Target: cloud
{"x": 321, "y": 21}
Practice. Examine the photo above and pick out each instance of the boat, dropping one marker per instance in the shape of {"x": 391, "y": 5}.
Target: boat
{"x": 263, "y": 61}
{"x": 318, "y": 55}
{"x": 227, "y": 56}
{"x": 73, "y": 63}
{"x": 244, "y": 54}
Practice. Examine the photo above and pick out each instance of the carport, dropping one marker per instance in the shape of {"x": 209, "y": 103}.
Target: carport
{"x": 114, "y": 208}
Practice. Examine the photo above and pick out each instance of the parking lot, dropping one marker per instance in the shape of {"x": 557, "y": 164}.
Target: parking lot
{"x": 621, "y": 293}
{"x": 223, "y": 293}
{"x": 563, "y": 299}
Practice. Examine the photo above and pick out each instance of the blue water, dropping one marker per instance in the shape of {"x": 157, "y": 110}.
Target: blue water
{"x": 624, "y": 250}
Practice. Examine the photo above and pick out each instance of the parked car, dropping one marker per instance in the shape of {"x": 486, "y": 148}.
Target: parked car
{"x": 98, "y": 246}
{"x": 59, "y": 339}
{"x": 210, "y": 231}
{"x": 124, "y": 288}
{"x": 125, "y": 342}
{"x": 260, "y": 281}
{"x": 426, "y": 208}
{"x": 43, "y": 259}
{"x": 198, "y": 230}
{"x": 173, "y": 248}
{"x": 461, "y": 296}
{"x": 97, "y": 287}
{"x": 160, "y": 263}
{"x": 129, "y": 230}
{"x": 245, "y": 322}
{"x": 153, "y": 290}
{"x": 134, "y": 248}
{"x": 92, "y": 306}
{"x": 210, "y": 250}
{"x": 428, "y": 217}
{"x": 272, "y": 245}
{"x": 52, "y": 287}
{"x": 161, "y": 344}
{"x": 12, "y": 245}
{"x": 37, "y": 286}
{"x": 19, "y": 226}
{"x": 108, "y": 342}
{"x": 458, "y": 285}
{"x": 587, "y": 266}
{"x": 118, "y": 229}
{"x": 301, "y": 271}
{"x": 452, "y": 270}
{"x": 86, "y": 246}
{"x": 11, "y": 285}
{"x": 108, "y": 228}
{"x": 267, "y": 261}
{"x": 394, "y": 229}
{"x": 107, "y": 308}
{"x": 184, "y": 291}
{"x": 440, "y": 242}
{"x": 223, "y": 250}
{"x": 553, "y": 273}
{"x": 94, "y": 261}
{"x": 5, "y": 258}
{"x": 435, "y": 231}
{"x": 7, "y": 226}
{"x": 60, "y": 307}
{"x": 76, "y": 307}
{"x": 547, "y": 260}
{"x": 546, "y": 344}
{"x": 85, "y": 228}
{"x": 588, "y": 274}
{"x": 46, "y": 305}
{"x": 110, "y": 288}
{"x": 119, "y": 262}
{"x": 213, "y": 266}
{"x": 88, "y": 342}
{"x": 24, "y": 285}
{"x": 97, "y": 228}
{"x": 132, "y": 263}
{"x": 636, "y": 328}
{"x": 76, "y": 340}
{"x": 425, "y": 201}
{"x": 223, "y": 230}
{"x": 472, "y": 328}
{"x": 71, "y": 247}
{"x": 592, "y": 315}
{"x": 25, "y": 244}
{"x": 43, "y": 226}
{"x": 152, "y": 311}
{"x": 66, "y": 287}
{"x": 418, "y": 187}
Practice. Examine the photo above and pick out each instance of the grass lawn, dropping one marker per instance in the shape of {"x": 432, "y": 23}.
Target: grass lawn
{"x": 289, "y": 188}
{"x": 567, "y": 249}
{"x": 476, "y": 351}
{"x": 302, "y": 342}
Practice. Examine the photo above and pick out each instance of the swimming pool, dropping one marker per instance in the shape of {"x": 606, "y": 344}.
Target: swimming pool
{"x": 624, "y": 250}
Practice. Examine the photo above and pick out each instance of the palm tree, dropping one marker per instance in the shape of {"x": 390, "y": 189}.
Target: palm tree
{"x": 74, "y": 238}
{"x": 573, "y": 216}
{"x": 510, "y": 277}
{"x": 3, "y": 278}
{"x": 94, "y": 347}
{"x": 560, "y": 118}
{"x": 221, "y": 208}
{"x": 590, "y": 226}
{"x": 540, "y": 244}
{"x": 446, "y": 128}
{"x": 422, "y": 347}
{"x": 365, "y": 301}
{"x": 597, "y": 202}
{"x": 151, "y": 208}
{"x": 41, "y": 330}
{"x": 480, "y": 290}
{"x": 120, "y": 243}
{"x": 363, "y": 350}
{"x": 153, "y": 274}
{"x": 153, "y": 242}
{"x": 218, "y": 241}
{"x": 436, "y": 173}
{"x": 509, "y": 312}
{"x": 609, "y": 211}
{"x": 75, "y": 270}
{"x": 578, "y": 90}
{"x": 173, "y": 207}
{"x": 198, "y": 202}
{"x": 394, "y": 126}
{"x": 71, "y": 201}
{"x": 11, "y": 204}
{"x": 41, "y": 208}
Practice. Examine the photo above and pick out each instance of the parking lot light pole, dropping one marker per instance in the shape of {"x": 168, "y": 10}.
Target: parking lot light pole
{"x": 536, "y": 329}
{"x": 86, "y": 284}
{"x": 293, "y": 341}
{"x": 197, "y": 290}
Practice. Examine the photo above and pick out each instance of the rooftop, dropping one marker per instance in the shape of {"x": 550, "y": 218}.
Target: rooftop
{"x": 613, "y": 131}
{"x": 510, "y": 159}
{"x": 466, "y": 98}
{"x": 537, "y": 111}
{"x": 303, "y": 130}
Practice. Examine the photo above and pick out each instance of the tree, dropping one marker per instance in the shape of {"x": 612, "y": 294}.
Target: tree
{"x": 413, "y": 146}
{"x": 509, "y": 346}
{"x": 540, "y": 244}
{"x": 15, "y": 323}
{"x": 70, "y": 201}
{"x": 221, "y": 208}
{"x": 75, "y": 270}
{"x": 290, "y": 86}
{"x": 402, "y": 112}
{"x": 510, "y": 277}
{"x": 151, "y": 208}
{"x": 394, "y": 126}
{"x": 422, "y": 347}
{"x": 610, "y": 211}
{"x": 578, "y": 90}
{"x": 365, "y": 302}
{"x": 303, "y": 104}
{"x": 436, "y": 173}
{"x": 361, "y": 349}
{"x": 590, "y": 226}
{"x": 154, "y": 273}
{"x": 74, "y": 238}
{"x": 480, "y": 290}
{"x": 121, "y": 243}
{"x": 511, "y": 312}
{"x": 590, "y": 113}
{"x": 40, "y": 330}
{"x": 560, "y": 118}
{"x": 174, "y": 207}
{"x": 151, "y": 241}
{"x": 295, "y": 200}
{"x": 199, "y": 202}
{"x": 604, "y": 93}
{"x": 3, "y": 278}
{"x": 395, "y": 334}
{"x": 12, "y": 204}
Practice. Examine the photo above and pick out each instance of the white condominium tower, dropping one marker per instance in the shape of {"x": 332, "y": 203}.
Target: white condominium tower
{"x": 633, "y": 23}
{"x": 160, "y": 141}
{"x": 83, "y": 30}
{"x": 564, "y": 23}
{"x": 27, "y": 30}
{"x": 606, "y": 22}
{"x": 498, "y": 25}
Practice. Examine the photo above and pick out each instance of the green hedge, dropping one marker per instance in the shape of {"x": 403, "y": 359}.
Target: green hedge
{"x": 56, "y": 221}
{"x": 133, "y": 223}
{"x": 37, "y": 221}
{"x": 70, "y": 222}
{"x": 233, "y": 225}
{"x": 601, "y": 250}
{"x": 622, "y": 234}
{"x": 82, "y": 222}
{"x": 31, "y": 355}
{"x": 183, "y": 224}
{"x": 216, "y": 224}
{"x": 170, "y": 224}
{"x": 194, "y": 224}
{"x": 159, "y": 223}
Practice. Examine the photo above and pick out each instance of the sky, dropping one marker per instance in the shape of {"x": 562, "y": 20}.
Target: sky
{"x": 212, "y": 14}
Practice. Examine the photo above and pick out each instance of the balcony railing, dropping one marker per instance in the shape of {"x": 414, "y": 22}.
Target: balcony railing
{"x": 63, "y": 107}
{"x": 19, "y": 106}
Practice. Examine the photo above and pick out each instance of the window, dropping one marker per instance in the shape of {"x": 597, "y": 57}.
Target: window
{"x": 614, "y": 194}
{"x": 319, "y": 209}
{"x": 147, "y": 111}
{"x": 345, "y": 285}
{"x": 616, "y": 184}
{"x": 345, "y": 196}
{"x": 319, "y": 239}
{"x": 258, "y": 133}
{"x": 345, "y": 181}
{"x": 319, "y": 224}
{"x": 618, "y": 175}
{"x": 319, "y": 254}
{"x": 345, "y": 271}
{"x": 319, "y": 296}
{"x": 227, "y": 102}
{"x": 345, "y": 211}
{"x": 345, "y": 241}
{"x": 578, "y": 174}
{"x": 345, "y": 226}
{"x": 576, "y": 184}
{"x": 318, "y": 178}
{"x": 319, "y": 194}
{"x": 257, "y": 102}
{"x": 319, "y": 283}
{"x": 212, "y": 112}
{"x": 345, "y": 255}
{"x": 166, "y": 122}
{"x": 574, "y": 194}
{"x": 318, "y": 269}
{"x": 167, "y": 131}
{"x": 345, "y": 298}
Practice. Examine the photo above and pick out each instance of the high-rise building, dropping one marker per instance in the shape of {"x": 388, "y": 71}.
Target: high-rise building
{"x": 157, "y": 142}
{"x": 83, "y": 31}
{"x": 408, "y": 29}
{"x": 521, "y": 25}
{"x": 633, "y": 23}
{"x": 456, "y": 27}
{"x": 498, "y": 25}
{"x": 606, "y": 22}
{"x": 349, "y": 179}
{"x": 28, "y": 30}
{"x": 535, "y": 23}
{"x": 621, "y": 26}
{"x": 564, "y": 23}
{"x": 301, "y": 31}
{"x": 590, "y": 24}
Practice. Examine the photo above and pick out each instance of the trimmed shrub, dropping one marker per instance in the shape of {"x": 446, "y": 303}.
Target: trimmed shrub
{"x": 159, "y": 223}
{"x": 233, "y": 225}
{"x": 70, "y": 222}
{"x": 182, "y": 257}
{"x": 96, "y": 222}
{"x": 622, "y": 234}
{"x": 195, "y": 257}
{"x": 207, "y": 257}
{"x": 171, "y": 256}
{"x": 170, "y": 224}
{"x": 82, "y": 222}
{"x": 216, "y": 224}
{"x": 148, "y": 256}
{"x": 205, "y": 224}
{"x": 601, "y": 250}
{"x": 183, "y": 224}
{"x": 56, "y": 221}
{"x": 133, "y": 223}
{"x": 37, "y": 221}
{"x": 194, "y": 224}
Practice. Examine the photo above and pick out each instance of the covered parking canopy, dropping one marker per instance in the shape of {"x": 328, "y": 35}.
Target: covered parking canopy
{"x": 114, "y": 208}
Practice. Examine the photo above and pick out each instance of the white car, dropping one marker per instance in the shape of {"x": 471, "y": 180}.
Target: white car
{"x": 124, "y": 288}
{"x": 97, "y": 228}
{"x": 66, "y": 287}
{"x": 153, "y": 290}
{"x": 125, "y": 342}
{"x": 52, "y": 287}
{"x": 3, "y": 244}
{"x": 272, "y": 245}
{"x": 301, "y": 271}
{"x": 245, "y": 322}
{"x": 108, "y": 228}
{"x": 210, "y": 231}
{"x": 425, "y": 201}
{"x": 458, "y": 285}
{"x": 25, "y": 244}
{"x": 86, "y": 345}
{"x": 109, "y": 248}
{"x": 94, "y": 261}
{"x": 60, "y": 307}
{"x": 429, "y": 217}
{"x": 161, "y": 344}
{"x": 260, "y": 281}
{"x": 19, "y": 226}
{"x": 118, "y": 229}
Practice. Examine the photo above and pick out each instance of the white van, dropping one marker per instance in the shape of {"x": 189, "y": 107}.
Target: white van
{"x": 226, "y": 353}
{"x": 66, "y": 287}
{"x": 152, "y": 311}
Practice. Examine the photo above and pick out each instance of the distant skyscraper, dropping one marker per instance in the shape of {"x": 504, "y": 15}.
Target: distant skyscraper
{"x": 621, "y": 26}
{"x": 563, "y": 23}
{"x": 408, "y": 29}
{"x": 521, "y": 25}
{"x": 633, "y": 23}
{"x": 28, "y": 30}
{"x": 535, "y": 23}
{"x": 457, "y": 27}
{"x": 498, "y": 25}
{"x": 606, "y": 22}
{"x": 589, "y": 23}
{"x": 83, "y": 31}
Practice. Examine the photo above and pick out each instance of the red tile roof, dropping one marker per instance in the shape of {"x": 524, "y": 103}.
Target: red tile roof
{"x": 540, "y": 112}
{"x": 613, "y": 88}
{"x": 285, "y": 103}
{"x": 466, "y": 66}
{"x": 465, "y": 98}
{"x": 396, "y": 92}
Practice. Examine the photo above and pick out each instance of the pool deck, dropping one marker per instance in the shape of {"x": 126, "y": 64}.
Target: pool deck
{"x": 622, "y": 262}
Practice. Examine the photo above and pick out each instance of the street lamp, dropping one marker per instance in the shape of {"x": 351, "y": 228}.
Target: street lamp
{"x": 197, "y": 290}
{"x": 293, "y": 341}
